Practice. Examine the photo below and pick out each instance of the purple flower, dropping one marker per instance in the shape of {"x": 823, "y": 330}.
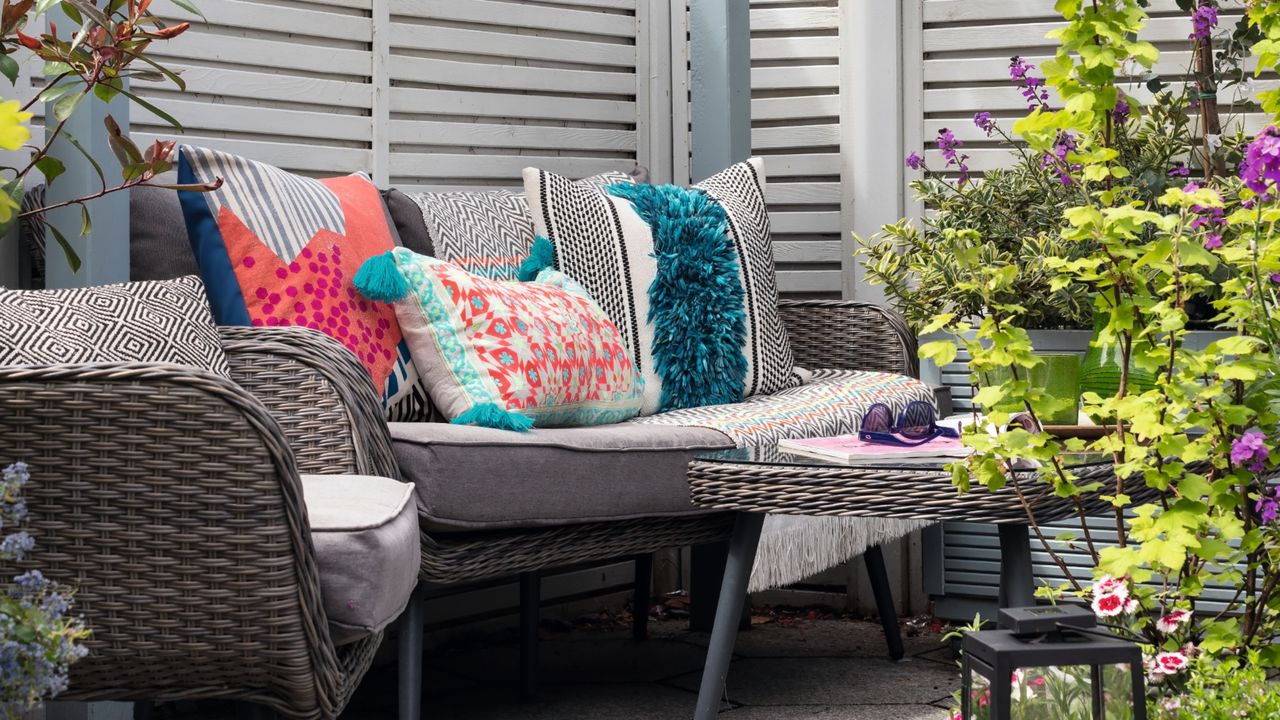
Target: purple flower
{"x": 1033, "y": 89}
{"x": 1056, "y": 158}
{"x": 1249, "y": 451}
{"x": 1212, "y": 241}
{"x": 948, "y": 145}
{"x": 1203, "y": 21}
{"x": 1267, "y": 506}
{"x": 1260, "y": 169}
{"x": 1120, "y": 113}
{"x": 985, "y": 122}
{"x": 1275, "y": 278}
{"x": 914, "y": 161}
{"x": 1179, "y": 169}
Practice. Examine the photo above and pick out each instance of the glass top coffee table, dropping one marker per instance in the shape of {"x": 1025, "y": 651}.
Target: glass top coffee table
{"x": 761, "y": 480}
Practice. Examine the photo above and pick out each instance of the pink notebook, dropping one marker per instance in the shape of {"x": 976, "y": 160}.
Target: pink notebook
{"x": 848, "y": 448}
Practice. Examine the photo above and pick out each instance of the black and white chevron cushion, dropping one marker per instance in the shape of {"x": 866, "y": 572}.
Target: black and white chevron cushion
{"x": 601, "y": 242}
{"x": 163, "y": 321}
{"x": 486, "y": 232}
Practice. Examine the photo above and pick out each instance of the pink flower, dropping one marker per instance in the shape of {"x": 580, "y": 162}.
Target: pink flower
{"x": 1130, "y": 606}
{"x": 1170, "y": 622}
{"x": 1108, "y": 605}
{"x": 1170, "y": 663}
{"x": 914, "y": 161}
{"x": 1107, "y": 585}
{"x": 1212, "y": 241}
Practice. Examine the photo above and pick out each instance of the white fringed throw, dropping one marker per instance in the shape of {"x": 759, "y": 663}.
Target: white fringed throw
{"x": 794, "y": 547}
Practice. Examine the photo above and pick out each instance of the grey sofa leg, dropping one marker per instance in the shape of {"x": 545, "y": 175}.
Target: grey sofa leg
{"x": 874, "y": 560}
{"x": 704, "y": 586}
{"x": 640, "y": 603}
{"x": 530, "y": 616}
{"x": 410, "y": 660}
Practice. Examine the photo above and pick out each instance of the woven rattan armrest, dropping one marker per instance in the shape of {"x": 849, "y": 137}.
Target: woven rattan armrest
{"x": 849, "y": 335}
{"x": 319, "y": 393}
{"x": 169, "y": 498}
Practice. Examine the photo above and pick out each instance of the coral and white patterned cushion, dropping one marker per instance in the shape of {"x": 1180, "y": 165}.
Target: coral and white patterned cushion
{"x": 502, "y": 354}
{"x": 686, "y": 274}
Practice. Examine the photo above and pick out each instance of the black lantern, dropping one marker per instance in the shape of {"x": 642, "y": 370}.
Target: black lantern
{"x": 1041, "y": 637}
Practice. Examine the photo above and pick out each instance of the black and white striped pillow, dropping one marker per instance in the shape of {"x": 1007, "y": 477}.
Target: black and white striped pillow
{"x": 602, "y": 242}
{"x": 161, "y": 321}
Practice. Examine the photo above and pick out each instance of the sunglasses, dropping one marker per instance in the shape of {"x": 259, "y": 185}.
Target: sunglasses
{"x": 916, "y": 425}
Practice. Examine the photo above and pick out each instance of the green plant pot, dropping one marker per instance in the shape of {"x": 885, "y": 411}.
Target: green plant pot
{"x": 1058, "y": 377}
{"x": 1103, "y": 366}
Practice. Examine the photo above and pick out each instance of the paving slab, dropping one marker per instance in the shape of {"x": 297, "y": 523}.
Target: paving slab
{"x": 835, "y": 681}
{"x": 611, "y": 658}
{"x": 808, "y": 638}
{"x": 631, "y": 701}
{"x": 837, "y": 712}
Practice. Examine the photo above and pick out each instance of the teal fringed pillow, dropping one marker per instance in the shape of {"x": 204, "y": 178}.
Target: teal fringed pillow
{"x": 687, "y": 275}
{"x": 503, "y": 354}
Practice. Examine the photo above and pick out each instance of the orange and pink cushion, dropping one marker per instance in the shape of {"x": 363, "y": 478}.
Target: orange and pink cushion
{"x": 505, "y": 354}
{"x": 278, "y": 249}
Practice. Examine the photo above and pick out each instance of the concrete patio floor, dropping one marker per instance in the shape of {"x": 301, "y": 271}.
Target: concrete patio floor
{"x": 829, "y": 669}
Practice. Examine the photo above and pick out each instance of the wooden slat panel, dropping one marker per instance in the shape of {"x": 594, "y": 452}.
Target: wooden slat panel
{"x": 941, "y": 11}
{"x": 290, "y": 156}
{"x": 803, "y": 193}
{"x": 803, "y": 77}
{"x": 802, "y": 107}
{"x": 263, "y": 17}
{"x": 255, "y": 53}
{"x": 499, "y": 44}
{"x": 258, "y": 85}
{"x": 795, "y": 136}
{"x": 521, "y": 15}
{"x": 426, "y": 132}
{"x": 459, "y": 102}
{"x": 795, "y": 48}
{"x": 791, "y": 165}
{"x": 809, "y": 281}
{"x": 196, "y": 116}
{"x": 511, "y": 77}
{"x": 442, "y": 165}
{"x": 780, "y": 19}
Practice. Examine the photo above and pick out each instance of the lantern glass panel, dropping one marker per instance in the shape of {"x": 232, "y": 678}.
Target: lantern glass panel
{"x": 1057, "y": 693}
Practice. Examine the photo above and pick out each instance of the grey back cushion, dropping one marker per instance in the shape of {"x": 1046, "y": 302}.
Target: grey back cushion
{"x": 158, "y": 246}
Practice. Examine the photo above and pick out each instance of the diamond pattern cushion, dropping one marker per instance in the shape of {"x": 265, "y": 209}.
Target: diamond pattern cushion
{"x": 365, "y": 534}
{"x": 276, "y": 248}
{"x": 165, "y": 321}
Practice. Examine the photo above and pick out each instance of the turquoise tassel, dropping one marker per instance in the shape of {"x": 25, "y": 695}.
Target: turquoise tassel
{"x": 379, "y": 279}
{"x": 494, "y": 416}
{"x": 541, "y": 256}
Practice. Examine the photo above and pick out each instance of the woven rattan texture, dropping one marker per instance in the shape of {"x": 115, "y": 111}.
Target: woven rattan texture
{"x": 892, "y": 493}
{"x": 319, "y": 393}
{"x": 847, "y": 335}
{"x": 169, "y": 498}
{"x": 454, "y": 558}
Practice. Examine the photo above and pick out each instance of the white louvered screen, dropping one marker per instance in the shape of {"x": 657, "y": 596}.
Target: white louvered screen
{"x": 481, "y": 89}
{"x": 423, "y": 94}
{"x": 285, "y": 84}
{"x": 795, "y": 125}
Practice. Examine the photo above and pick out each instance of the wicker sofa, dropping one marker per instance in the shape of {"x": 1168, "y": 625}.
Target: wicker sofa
{"x": 172, "y": 499}
{"x": 516, "y": 515}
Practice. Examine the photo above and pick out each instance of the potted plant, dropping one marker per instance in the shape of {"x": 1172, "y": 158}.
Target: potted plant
{"x": 1152, "y": 253}
{"x": 39, "y": 638}
{"x": 1016, "y": 211}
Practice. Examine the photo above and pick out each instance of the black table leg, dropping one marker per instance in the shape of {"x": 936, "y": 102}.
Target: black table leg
{"x": 737, "y": 572}
{"x": 1017, "y": 585}
{"x": 879, "y": 576}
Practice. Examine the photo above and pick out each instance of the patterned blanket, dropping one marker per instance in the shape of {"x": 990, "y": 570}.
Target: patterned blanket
{"x": 831, "y": 402}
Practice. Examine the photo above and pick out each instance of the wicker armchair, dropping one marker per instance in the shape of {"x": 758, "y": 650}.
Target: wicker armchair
{"x": 170, "y": 499}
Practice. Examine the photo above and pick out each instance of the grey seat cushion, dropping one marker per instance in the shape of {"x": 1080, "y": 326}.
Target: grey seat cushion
{"x": 475, "y": 478}
{"x": 365, "y": 533}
